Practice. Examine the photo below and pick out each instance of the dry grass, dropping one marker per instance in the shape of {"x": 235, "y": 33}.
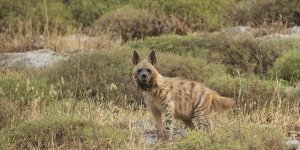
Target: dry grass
{"x": 58, "y": 43}
{"x": 127, "y": 119}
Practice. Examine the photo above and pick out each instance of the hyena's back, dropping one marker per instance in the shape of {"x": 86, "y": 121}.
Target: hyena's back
{"x": 191, "y": 97}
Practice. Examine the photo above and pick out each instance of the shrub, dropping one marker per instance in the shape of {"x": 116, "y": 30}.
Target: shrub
{"x": 172, "y": 44}
{"x": 287, "y": 67}
{"x": 233, "y": 137}
{"x": 240, "y": 53}
{"x": 131, "y": 23}
{"x": 99, "y": 72}
{"x": 107, "y": 76}
{"x": 86, "y": 12}
{"x": 251, "y": 92}
{"x": 259, "y": 12}
{"x": 194, "y": 14}
{"x": 62, "y": 132}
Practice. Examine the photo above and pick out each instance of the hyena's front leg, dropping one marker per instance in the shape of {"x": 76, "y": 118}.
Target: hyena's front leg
{"x": 169, "y": 121}
{"x": 158, "y": 121}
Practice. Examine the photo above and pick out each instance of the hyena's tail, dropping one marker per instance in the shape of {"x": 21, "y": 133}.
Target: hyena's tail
{"x": 220, "y": 103}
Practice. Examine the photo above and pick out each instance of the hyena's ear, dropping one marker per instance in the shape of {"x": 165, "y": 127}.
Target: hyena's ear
{"x": 152, "y": 58}
{"x": 135, "y": 58}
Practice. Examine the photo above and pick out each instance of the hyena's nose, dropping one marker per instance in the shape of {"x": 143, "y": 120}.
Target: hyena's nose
{"x": 144, "y": 75}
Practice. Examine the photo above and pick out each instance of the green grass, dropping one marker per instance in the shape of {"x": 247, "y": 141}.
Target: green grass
{"x": 233, "y": 137}
{"x": 64, "y": 132}
{"x": 240, "y": 53}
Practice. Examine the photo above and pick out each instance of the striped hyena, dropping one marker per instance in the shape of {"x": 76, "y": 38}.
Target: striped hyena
{"x": 175, "y": 97}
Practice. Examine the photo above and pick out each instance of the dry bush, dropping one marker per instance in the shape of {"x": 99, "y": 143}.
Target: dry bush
{"x": 257, "y": 12}
{"x": 130, "y": 23}
{"x": 75, "y": 42}
{"x": 58, "y": 43}
{"x": 20, "y": 43}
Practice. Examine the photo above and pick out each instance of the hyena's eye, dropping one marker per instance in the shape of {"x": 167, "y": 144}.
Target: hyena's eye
{"x": 149, "y": 70}
{"x": 139, "y": 70}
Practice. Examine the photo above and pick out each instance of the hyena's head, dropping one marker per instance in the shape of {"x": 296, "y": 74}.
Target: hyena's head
{"x": 144, "y": 72}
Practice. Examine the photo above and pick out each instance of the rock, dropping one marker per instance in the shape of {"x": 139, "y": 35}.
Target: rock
{"x": 31, "y": 59}
{"x": 294, "y": 30}
{"x": 151, "y": 136}
{"x": 77, "y": 42}
{"x": 148, "y": 131}
{"x": 293, "y": 144}
{"x": 281, "y": 36}
{"x": 239, "y": 29}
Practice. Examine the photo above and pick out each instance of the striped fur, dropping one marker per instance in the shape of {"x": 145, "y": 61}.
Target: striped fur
{"x": 176, "y": 97}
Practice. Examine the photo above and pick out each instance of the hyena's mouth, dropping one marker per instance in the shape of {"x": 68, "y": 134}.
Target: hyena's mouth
{"x": 145, "y": 81}
{"x": 145, "y": 84}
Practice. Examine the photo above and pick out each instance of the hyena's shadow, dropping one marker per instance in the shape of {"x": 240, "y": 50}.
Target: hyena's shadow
{"x": 149, "y": 133}
{"x": 151, "y": 138}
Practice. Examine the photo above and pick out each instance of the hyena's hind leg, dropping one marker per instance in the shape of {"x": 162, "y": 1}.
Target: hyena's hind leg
{"x": 201, "y": 113}
{"x": 201, "y": 121}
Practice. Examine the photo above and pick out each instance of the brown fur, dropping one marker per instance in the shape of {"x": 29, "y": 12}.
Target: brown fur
{"x": 177, "y": 98}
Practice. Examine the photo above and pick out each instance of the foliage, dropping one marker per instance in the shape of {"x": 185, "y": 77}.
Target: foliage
{"x": 23, "y": 89}
{"x": 259, "y": 12}
{"x": 240, "y": 53}
{"x": 287, "y": 67}
{"x": 61, "y": 132}
{"x": 234, "y": 137}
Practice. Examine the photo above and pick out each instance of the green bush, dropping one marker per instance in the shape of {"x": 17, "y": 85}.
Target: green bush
{"x": 234, "y": 137}
{"x": 97, "y": 76}
{"x": 287, "y": 67}
{"x": 240, "y": 53}
{"x": 97, "y": 73}
{"x": 251, "y": 92}
{"x": 172, "y": 44}
{"x": 86, "y": 12}
{"x": 62, "y": 132}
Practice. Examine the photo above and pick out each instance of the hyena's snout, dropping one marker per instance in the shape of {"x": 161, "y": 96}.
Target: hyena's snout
{"x": 144, "y": 75}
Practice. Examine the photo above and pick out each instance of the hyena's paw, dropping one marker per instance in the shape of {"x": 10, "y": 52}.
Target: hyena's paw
{"x": 160, "y": 136}
{"x": 168, "y": 136}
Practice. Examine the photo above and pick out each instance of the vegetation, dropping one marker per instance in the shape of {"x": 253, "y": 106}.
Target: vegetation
{"x": 226, "y": 137}
{"x": 171, "y": 16}
{"x": 287, "y": 67}
{"x": 90, "y": 102}
{"x": 240, "y": 53}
